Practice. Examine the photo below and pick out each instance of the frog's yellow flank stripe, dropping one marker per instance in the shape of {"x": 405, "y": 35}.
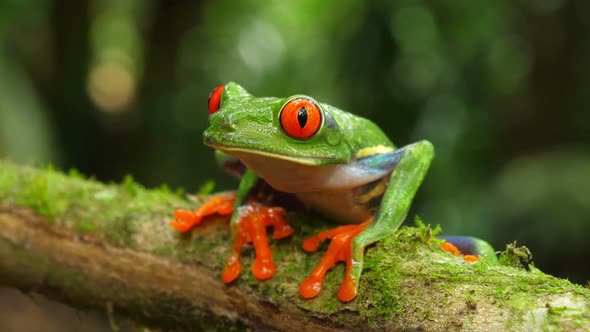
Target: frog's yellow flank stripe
{"x": 373, "y": 150}
{"x": 371, "y": 191}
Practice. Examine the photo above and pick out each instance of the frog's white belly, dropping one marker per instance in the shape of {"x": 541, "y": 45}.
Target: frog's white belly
{"x": 332, "y": 190}
{"x": 293, "y": 177}
{"x": 340, "y": 206}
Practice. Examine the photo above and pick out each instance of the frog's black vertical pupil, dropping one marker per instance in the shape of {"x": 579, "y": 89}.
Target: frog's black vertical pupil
{"x": 302, "y": 117}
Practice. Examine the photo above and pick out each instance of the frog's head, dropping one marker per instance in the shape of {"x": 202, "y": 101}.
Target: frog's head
{"x": 296, "y": 129}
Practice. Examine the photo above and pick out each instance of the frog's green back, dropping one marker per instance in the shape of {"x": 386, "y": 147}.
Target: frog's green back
{"x": 358, "y": 132}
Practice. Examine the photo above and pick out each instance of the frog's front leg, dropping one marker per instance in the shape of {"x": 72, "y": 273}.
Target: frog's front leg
{"x": 249, "y": 220}
{"x": 248, "y": 224}
{"x": 404, "y": 181}
{"x": 252, "y": 221}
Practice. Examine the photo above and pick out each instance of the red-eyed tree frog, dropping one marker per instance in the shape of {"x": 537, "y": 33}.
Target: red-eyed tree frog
{"x": 336, "y": 163}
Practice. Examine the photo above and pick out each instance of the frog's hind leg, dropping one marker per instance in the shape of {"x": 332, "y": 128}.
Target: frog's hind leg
{"x": 338, "y": 251}
{"x": 401, "y": 189}
{"x": 408, "y": 167}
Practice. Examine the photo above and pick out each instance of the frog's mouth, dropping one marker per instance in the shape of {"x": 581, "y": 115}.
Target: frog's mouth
{"x": 241, "y": 152}
{"x": 263, "y": 146}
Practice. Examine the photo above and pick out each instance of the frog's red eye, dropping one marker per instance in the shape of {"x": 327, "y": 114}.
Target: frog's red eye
{"x": 215, "y": 99}
{"x": 301, "y": 118}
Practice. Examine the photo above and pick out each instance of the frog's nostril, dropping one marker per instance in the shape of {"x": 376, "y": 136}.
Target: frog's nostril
{"x": 209, "y": 139}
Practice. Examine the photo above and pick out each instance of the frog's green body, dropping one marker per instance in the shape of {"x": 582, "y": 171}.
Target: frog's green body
{"x": 338, "y": 164}
{"x": 348, "y": 170}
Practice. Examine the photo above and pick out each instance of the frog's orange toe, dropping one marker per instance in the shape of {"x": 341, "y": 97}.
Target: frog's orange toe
{"x": 184, "y": 220}
{"x": 180, "y": 226}
{"x": 310, "y": 287}
{"x": 282, "y": 231}
{"x": 232, "y": 270}
{"x": 311, "y": 244}
{"x": 276, "y": 218}
{"x": 263, "y": 269}
{"x": 451, "y": 248}
{"x": 347, "y": 291}
{"x": 185, "y": 216}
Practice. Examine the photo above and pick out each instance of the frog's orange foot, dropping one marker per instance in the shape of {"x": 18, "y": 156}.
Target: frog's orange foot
{"x": 221, "y": 204}
{"x": 449, "y": 247}
{"x": 339, "y": 251}
{"x": 253, "y": 219}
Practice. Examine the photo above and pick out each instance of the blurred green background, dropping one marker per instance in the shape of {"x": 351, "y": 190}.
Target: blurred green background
{"x": 500, "y": 87}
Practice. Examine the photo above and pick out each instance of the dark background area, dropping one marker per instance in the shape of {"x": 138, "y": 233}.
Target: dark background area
{"x": 501, "y": 88}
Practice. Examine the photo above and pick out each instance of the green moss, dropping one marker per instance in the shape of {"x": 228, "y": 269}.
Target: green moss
{"x": 424, "y": 233}
{"x": 206, "y": 188}
{"x": 85, "y": 227}
{"x": 514, "y": 256}
{"x": 130, "y": 186}
{"x": 110, "y": 211}
{"x": 575, "y": 317}
{"x": 75, "y": 174}
{"x": 384, "y": 300}
{"x": 381, "y": 294}
{"x": 37, "y": 197}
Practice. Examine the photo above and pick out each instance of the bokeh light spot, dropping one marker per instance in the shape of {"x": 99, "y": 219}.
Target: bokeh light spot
{"x": 111, "y": 87}
{"x": 260, "y": 46}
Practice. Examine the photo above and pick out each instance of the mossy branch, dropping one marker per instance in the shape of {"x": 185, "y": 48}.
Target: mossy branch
{"x": 110, "y": 246}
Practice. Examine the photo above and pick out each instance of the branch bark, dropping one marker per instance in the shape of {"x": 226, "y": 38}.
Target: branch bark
{"x": 83, "y": 271}
{"x": 109, "y": 246}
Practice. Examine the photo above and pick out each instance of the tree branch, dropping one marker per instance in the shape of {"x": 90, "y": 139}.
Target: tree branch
{"x": 109, "y": 246}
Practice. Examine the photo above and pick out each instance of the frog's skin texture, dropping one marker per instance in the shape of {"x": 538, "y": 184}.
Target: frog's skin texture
{"x": 338, "y": 164}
